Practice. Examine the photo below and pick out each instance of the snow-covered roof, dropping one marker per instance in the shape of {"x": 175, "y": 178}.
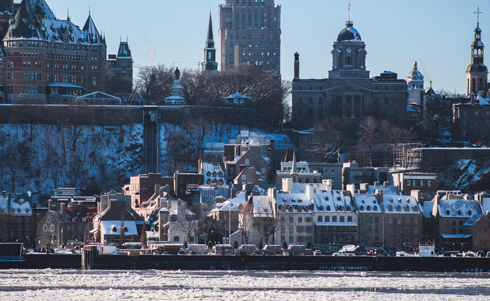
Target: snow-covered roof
{"x": 485, "y": 205}
{"x": 401, "y": 204}
{"x": 458, "y": 208}
{"x": 428, "y": 206}
{"x": 234, "y": 203}
{"x": 114, "y": 227}
{"x": 473, "y": 220}
{"x": 316, "y": 200}
{"x": 20, "y": 207}
{"x": 367, "y": 203}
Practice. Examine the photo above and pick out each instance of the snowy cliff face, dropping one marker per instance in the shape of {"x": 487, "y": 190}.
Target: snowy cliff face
{"x": 92, "y": 158}
{"x": 97, "y": 159}
{"x": 465, "y": 175}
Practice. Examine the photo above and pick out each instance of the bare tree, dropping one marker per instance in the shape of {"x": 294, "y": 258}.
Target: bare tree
{"x": 368, "y": 135}
{"x": 267, "y": 224}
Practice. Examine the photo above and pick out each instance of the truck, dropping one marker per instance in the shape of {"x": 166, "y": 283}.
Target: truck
{"x": 221, "y": 249}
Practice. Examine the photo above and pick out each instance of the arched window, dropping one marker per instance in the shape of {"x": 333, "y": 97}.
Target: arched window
{"x": 447, "y": 212}
{"x": 250, "y": 17}
{"x": 390, "y": 208}
{"x": 398, "y": 208}
{"x": 469, "y": 212}
{"x": 368, "y": 208}
{"x": 407, "y": 208}
{"x": 361, "y": 208}
{"x": 459, "y": 212}
{"x": 415, "y": 208}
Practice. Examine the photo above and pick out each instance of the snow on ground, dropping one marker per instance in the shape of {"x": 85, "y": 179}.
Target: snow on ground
{"x": 241, "y": 285}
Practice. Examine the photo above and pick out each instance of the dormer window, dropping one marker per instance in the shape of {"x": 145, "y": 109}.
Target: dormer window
{"x": 362, "y": 201}
{"x": 391, "y": 201}
{"x": 447, "y": 212}
{"x": 114, "y": 229}
{"x": 125, "y": 229}
{"x": 368, "y": 208}
{"x": 408, "y": 200}
{"x": 375, "y": 208}
{"x": 399, "y": 200}
{"x": 407, "y": 208}
{"x": 328, "y": 208}
{"x": 361, "y": 208}
{"x": 398, "y": 208}
{"x": 469, "y": 212}
{"x": 390, "y": 208}
{"x": 459, "y": 212}
{"x": 415, "y": 208}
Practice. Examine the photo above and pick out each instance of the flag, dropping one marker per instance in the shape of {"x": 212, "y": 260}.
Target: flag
{"x": 349, "y": 5}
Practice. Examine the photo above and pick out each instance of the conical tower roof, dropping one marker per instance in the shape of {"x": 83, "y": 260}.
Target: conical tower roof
{"x": 210, "y": 39}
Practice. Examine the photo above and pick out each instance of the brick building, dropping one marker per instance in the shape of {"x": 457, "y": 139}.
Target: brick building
{"x": 45, "y": 58}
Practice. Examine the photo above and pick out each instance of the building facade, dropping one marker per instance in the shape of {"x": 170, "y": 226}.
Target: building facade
{"x": 348, "y": 92}
{"x": 44, "y": 58}
{"x": 250, "y": 33}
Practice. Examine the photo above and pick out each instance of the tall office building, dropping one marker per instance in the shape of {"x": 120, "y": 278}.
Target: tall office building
{"x": 250, "y": 33}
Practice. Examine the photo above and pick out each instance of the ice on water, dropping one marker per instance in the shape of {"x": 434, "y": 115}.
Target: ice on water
{"x": 240, "y": 285}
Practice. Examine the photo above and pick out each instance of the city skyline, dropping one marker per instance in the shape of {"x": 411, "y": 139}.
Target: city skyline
{"x": 436, "y": 35}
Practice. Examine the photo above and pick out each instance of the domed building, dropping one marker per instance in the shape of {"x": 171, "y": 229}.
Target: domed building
{"x": 348, "y": 92}
{"x": 415, "y": 81}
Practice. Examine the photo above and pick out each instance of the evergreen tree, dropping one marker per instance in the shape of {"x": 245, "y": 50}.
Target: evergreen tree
{"x": 210, "y": 245}
{"x": 235, "y": 245}
{"x": 284, "y": 245}
{"x": 185, "y": 244}
{"x": 260, "y": 246}
{"x": 309, "y": 245}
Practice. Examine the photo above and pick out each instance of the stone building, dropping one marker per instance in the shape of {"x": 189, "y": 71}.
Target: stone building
{"x": 451, "y": 210}
{"x": 348, "y": 92}
{"x": 250, "y": 33}
{"x": 59, "y": 226}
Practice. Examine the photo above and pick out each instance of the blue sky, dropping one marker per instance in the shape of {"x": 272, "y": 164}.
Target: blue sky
{"x": 435, "y": 33}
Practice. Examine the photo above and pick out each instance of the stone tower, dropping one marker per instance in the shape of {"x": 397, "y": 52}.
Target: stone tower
{"x": 349, "y": 55}
{"x": 210, "y": 63}
{"x": 477, "y": 72}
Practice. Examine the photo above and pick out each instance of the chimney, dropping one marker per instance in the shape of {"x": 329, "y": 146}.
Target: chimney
{"x": 287, "y": 185}
{"x": 50, "y": 204}
{"x": 328, "y": 183}
{"x": 309, "y": 191}
{"x": 62, "y": 212}
{"x": 416, "y": 195}
{"x": 296, "y": 65}
{"x": 232, "y": 193}
{"x": 386, "y": 183}
{"x": 379, "y": 195}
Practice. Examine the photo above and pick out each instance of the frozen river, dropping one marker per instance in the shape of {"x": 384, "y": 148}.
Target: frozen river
{"x": 240, "y": 285}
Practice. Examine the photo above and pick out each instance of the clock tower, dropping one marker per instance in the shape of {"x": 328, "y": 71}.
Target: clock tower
{"x": 349, "y": 54}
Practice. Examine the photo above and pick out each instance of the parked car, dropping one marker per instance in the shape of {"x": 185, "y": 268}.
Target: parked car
{"x": 317, "y": 253}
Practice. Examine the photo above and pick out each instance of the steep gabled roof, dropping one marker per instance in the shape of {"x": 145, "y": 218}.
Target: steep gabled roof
{"x": 23, "y": 27}
{"x": 90, "y": 31}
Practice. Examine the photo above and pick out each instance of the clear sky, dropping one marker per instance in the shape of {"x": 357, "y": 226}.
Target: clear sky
{"x": 435, "y": 33}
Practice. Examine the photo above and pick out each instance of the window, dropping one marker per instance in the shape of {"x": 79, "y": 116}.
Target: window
{"x": 94, "y": 80}
{"x": 45, "y": 228}
{"x": 176, "y": 238}
{"x": 320, "y": 219}
{"x": 52, "y": 227}
{"x": 300, "y": 219}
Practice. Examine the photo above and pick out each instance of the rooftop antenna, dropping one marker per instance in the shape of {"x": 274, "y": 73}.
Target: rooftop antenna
{"x": 478, "y": 13}
{"x": 68, "y": 14}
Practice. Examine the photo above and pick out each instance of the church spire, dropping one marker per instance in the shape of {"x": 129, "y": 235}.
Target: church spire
{"x": 210, "y": 63}
{"x": 477, "y": 72}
